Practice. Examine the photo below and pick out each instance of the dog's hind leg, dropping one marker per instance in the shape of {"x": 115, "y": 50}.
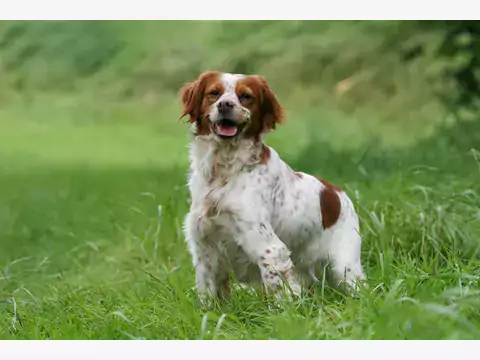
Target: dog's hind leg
{"x": 344, "y": 248}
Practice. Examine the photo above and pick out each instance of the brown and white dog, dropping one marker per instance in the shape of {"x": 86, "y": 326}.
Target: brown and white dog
{"x": 251, "y": 214}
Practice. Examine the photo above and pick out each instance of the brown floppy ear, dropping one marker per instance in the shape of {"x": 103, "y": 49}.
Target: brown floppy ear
{"x": 191, "y": 96}
{"x": 271, "y": 111}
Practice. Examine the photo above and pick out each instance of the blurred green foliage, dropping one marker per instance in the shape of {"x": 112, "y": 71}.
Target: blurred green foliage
{"x": 461, "y": 47}
{"x": 55, "y": 53}
{"x": 145, "y": 56}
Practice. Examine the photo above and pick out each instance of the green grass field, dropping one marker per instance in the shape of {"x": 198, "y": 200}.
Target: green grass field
{"x": 93, "y": 173}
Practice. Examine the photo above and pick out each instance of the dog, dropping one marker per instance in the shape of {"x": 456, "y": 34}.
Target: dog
{"x": 251, "y": 214}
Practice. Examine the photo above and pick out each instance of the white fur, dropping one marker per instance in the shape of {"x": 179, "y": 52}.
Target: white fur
{"x": 261, "y": 221}
{"x": 229, "y": 81}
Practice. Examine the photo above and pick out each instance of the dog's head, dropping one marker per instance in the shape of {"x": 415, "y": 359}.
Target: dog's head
{"x": 230, "y": 106}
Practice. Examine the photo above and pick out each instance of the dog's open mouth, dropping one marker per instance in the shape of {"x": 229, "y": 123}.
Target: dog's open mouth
{"x": 228, "y": 128}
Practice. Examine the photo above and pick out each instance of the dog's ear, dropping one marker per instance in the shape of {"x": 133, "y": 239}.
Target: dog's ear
{"x": 272, "y": 112}
{"x": 191, "y": 96}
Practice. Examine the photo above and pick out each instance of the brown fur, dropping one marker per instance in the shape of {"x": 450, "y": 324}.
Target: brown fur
{"x": 329, "y": 204}
{"x": 211, "y": 209}
{"x": 264, "y": 108}
{"x": 265, "y": 156}
{"x": 327, "y": 184}
{"x": 195, "y": 102}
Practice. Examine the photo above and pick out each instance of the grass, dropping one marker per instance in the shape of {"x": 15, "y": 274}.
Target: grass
{"x": 93, "y": 196}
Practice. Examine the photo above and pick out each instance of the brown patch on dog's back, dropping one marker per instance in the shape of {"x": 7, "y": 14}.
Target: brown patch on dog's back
{"x": 330, "y": 207}
{"x": 298, "y": 175}
{"x": 329, "y": 203}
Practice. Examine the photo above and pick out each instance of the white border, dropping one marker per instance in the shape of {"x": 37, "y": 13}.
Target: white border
{"x": 241, "y": 350}
{"x": 252, "y": 10}
{"x": 239, "y": 10}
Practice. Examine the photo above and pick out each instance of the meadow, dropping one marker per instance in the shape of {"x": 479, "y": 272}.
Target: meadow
{"x": 93, "y": 165}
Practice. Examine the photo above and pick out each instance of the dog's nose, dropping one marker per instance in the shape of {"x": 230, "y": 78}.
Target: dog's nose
{"x": 225, "y": 105}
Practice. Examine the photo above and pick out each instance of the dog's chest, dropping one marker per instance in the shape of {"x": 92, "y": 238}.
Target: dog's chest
{"x": 221, "y": 225}
{"x": 219, "y": 201}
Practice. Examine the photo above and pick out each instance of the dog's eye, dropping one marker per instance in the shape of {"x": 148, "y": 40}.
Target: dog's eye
{"x": 214, "y": 93}
{"x": 245, "y": 96}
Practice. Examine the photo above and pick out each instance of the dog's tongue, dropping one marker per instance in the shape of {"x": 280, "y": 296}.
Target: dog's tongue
{"x": 227, "y": 130}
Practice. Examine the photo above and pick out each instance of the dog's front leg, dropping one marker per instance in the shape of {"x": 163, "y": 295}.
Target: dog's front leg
{"x": 211, "y": 277}
{"x": 263, "y": 247}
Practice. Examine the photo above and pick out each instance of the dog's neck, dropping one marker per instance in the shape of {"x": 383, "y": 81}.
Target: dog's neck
{"x": 213, "y": 159}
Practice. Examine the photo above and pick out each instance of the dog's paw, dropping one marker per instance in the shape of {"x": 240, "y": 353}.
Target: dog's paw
{"x": 289, "y": 291}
